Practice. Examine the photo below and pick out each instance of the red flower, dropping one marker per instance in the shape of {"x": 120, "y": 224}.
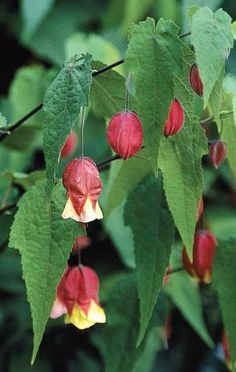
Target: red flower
{"x": 203, "y": 253}
{"x": 217, "y": 153}
{"x": 175, "y": 120}
{"x": 125, "y": 134}
{"x": 77, "y": 296}
{"x": 69, "y": 146}
{"x": 195, "y": 80}
{"x": 82, "y": 181}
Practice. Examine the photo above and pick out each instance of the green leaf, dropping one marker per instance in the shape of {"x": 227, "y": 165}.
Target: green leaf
{"x": 210, "y": 31}
{"x": 215, "y": 99}
{"x": 148, "y": 216}
{"x": 33, "y": 14}
{"x": 100, "y": 48}
{"x": 234, "y": 107}
{"x": 185, "y": 294}
{"x": 116, "y": 340}
{"x": 62, "y": 103}
{"x": 108, "y": 92}
{"x": 124, "y": 177}
{"x": 44, "y": 240}
{"x": 223, "y": 279}
{"x": 228, "y": 136}
{"x": 180, "y": 162}
{"x": 153, "y": 56}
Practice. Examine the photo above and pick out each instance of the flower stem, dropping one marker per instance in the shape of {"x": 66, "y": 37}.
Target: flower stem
{"x": 82, "y": 120}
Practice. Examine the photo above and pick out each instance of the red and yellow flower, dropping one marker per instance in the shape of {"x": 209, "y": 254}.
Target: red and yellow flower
{"x": 77, "y": 297}
{"x": 82, "y": 181}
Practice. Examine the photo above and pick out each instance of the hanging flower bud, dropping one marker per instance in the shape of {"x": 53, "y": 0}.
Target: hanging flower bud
{"x": 200, "y": 209}
{"x": 175, "y": 120}
{"x": 195, "y": 80}
{"x": 70, "y": 145}
{"x": 203, "y": 253}
{"x": 217, "y": 153}
{"x": 82, "y": 181}
{"x": 125, "y": 134}
{"x": 81, "y": 242}
{"x": 77, "y": 296}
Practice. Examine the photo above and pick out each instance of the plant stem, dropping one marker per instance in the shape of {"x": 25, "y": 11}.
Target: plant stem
{"x": 184, "y": 34}
{"x": 82, "y": 121}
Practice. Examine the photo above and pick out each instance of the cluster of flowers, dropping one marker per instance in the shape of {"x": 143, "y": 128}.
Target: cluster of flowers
{"x": 77, "y": 292}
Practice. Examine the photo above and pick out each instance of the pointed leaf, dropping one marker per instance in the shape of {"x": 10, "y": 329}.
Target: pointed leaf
{"x": 62, "y": 103}
{"x": 210, "y": 31}
{"x": 148, "y": 216}
{"x": 154, "y": 54}
{"x": 44, "y": 240}
{"x": 228, "y": 136}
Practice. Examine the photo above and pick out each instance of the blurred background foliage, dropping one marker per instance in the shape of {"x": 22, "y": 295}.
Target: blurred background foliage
{"x": 36, "y": 38}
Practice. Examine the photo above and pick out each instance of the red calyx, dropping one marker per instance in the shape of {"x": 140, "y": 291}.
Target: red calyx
{"x": 81, "y": 242}
{"x": 175, "y": 120}
{"x": 81, "y": 179}
{"x": 195, "y": 80}
{"x": 200, "y": 209}
{"x": 125, "y": 134}
{"x": 203, "y": 253}
{"x": 217, "y": 153}
{"x": 69, "y": 146}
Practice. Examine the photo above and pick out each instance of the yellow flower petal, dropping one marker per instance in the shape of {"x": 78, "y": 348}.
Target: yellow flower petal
{"x": 96, "y": 313}
{"x": 78, "y": 318}
{"x": 69, "y": 211}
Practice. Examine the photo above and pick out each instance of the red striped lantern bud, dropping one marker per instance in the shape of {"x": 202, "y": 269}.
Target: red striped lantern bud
{"x": 77, "y": 296}
{"x": 217, "y": 153}
{"x": 82, "y": 181}
{"x": 175, "y": 120}
{"x": 203, "y": 253}
{"x": 69, "y": 146}
{"x": 195, "y": 80}
{"x": 125, "y": 134}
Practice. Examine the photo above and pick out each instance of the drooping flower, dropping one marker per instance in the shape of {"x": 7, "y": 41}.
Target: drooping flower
{"x": 203, "y": 253}
{"x": 195, "y": 80}
{"x": 82, "y": 181}
{"x": 175, "y": 120}
{"x": 77, "y": 297}
{"x": 125, "y": 134}
{"x": 69, "y": 146}
{"x": 217, "y": 153}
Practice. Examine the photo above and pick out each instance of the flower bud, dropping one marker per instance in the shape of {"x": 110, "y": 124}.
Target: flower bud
{"x": 125, "y": 134}
{"x": 81, "y": 242}
{"x": 82, "y": 181}
{"x": 203, "y": 253}
{"x": 77, "y": 296}
{"x": 195, "y": 80}
{"x": 175, "y": 120}
{"x": 217, "y": 153}
{"x": 69, "y": 146}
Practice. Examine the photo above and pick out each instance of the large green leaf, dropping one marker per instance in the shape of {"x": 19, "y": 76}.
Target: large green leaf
{"x": 153, "y": 56}
{"x": 44, "y": 240}
{"x": 228, "y": 135}
{"x": 224, "y": 279}
{"x": 116, "y": 340}
{"x": 180, "y": 162}
{"x": 185, "y": 294}
{"x": 62, "y": 103}
{"x": 210, "y": 31}
{"x": 147, "y": 214}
